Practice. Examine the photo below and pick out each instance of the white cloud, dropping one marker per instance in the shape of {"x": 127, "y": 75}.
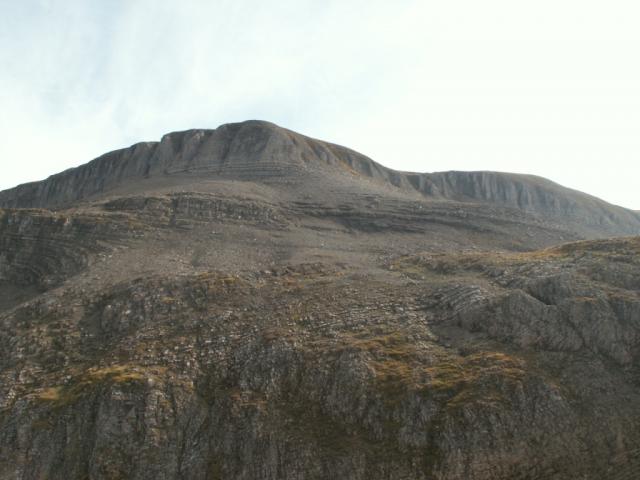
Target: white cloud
{"x": 548, "y": 87}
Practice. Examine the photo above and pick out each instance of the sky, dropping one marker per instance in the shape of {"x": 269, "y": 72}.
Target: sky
{"x": 550, "y": 87}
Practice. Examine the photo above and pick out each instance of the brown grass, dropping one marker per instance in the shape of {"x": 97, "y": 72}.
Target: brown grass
{"x": 63, "y": 395}
{"x": 400, "y": 367}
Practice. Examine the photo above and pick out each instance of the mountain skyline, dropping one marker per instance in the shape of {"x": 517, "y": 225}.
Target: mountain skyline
{"x": 544, "y": 88}
{"x": 247, "y": 302}
{"x": 262, "y": 121}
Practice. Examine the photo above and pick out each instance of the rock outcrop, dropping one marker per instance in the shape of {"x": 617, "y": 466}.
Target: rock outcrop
{"x": 261, "y": 151}
{"x": 247, "y": 303}
{"x": 484, "y": 368}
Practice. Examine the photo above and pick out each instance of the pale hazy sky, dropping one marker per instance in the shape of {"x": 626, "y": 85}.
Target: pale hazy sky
{"x": 550, "y": 87}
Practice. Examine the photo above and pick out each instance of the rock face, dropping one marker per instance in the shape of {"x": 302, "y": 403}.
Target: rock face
{"x": 261, "y": 151}
{"x": 247, "y": 303}
{"x": 249, "y": 150}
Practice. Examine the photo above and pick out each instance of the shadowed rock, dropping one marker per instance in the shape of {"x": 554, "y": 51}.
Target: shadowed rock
{"x": 248, "y": 303}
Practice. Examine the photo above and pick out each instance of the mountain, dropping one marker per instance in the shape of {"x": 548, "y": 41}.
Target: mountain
{"x": 260, "y": 151}
{"x": 251, "y": 303}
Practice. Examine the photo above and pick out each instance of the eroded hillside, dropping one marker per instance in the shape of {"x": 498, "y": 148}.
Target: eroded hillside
{"x": 185, "y": 326}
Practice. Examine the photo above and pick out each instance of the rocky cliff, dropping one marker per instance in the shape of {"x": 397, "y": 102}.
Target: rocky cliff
{"x": 168, "y": 313}
{"x": 262, "y": 151}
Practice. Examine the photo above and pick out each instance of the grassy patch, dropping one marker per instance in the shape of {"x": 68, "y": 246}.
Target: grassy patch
{"x": 51, "y": 394}
{"x": 470, "y": 262}
{"x": 82, "y": 385}
{"x": 400, "y": 367}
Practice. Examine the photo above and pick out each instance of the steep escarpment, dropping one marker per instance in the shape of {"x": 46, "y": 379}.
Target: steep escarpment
{"x": 249, "y": 303}
{"x": 447, "y": 367}
{"x": 262, "y": 152}
{"x": 250, "y": 150}
{"x": 40, "y": 248}
{"x": 535, "y": 195}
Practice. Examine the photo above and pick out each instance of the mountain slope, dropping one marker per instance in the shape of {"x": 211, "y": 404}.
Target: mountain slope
{"x": 247, "y": 303}
{"x": 262, "y": 152}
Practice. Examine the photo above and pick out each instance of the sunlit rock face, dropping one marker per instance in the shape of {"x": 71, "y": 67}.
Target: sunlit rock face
{"x": 250, "y": 303}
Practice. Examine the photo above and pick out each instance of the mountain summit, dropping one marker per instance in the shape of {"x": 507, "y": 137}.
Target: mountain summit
{"x": 257, "y": 151}
{"x": 249, "y": 303}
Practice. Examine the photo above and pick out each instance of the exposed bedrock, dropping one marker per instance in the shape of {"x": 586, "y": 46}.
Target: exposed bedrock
{"x": 249, "y": 303}
{"x": 42, "y": 249}
{"x": 263, "y": 152}
{"x": 304, "y": 375}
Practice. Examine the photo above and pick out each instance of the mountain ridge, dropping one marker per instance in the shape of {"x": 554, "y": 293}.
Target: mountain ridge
{"x": 263, "y": 152}
{"x": 255, "y": 305}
